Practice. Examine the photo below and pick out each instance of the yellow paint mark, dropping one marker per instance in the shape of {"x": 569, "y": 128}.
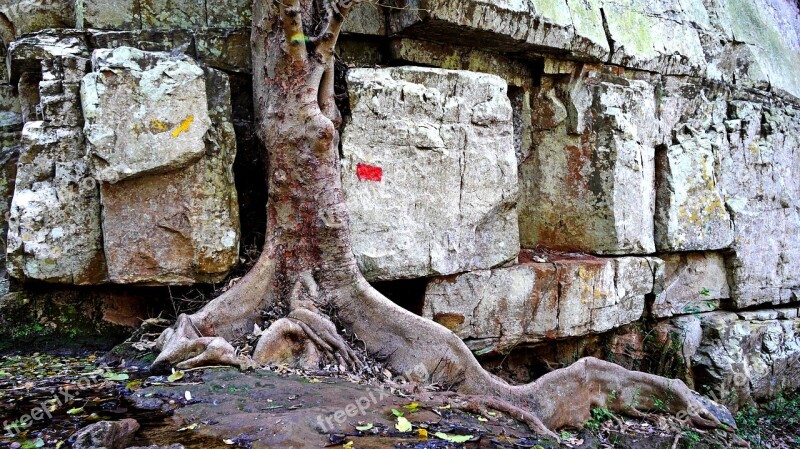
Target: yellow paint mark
{"x": 158, "y": 126}
{"x": 184, "y": 126}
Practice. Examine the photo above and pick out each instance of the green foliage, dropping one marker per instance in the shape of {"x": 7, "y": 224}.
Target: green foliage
{"x": 779, "y": 418}
{"x": 599, "y": 416}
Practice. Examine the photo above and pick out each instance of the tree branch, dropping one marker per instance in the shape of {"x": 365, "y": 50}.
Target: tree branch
{"x": 292, "y": 22}
{"x": 337, "y": 11}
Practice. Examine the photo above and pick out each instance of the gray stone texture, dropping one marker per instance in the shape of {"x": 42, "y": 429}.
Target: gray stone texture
{"x": 538, "y": 301}
{"x": 445, "y": 201}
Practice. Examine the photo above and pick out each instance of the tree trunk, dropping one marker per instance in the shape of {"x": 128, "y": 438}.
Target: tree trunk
{"x": 307, "y": 265}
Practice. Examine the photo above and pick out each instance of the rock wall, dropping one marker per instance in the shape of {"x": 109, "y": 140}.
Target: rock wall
{"x": 548, "y": 180}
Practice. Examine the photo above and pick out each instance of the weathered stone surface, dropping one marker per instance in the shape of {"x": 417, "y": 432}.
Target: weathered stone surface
{"x": 106, "y": 435}
{"x": 229, "y": 13}
{"x": 224, "y": 49}
{"x": 54, "y": 226}
{"x": 691, "y": 283}
{"x": 54, "y": 223}
{"x": 30, "y": 16}
{"x": 532, "y": 302}
{"x": 749, "y": 356}
{"x": 508, "y": 26}
{"x": 179, "y": 227}
{"x": 366, "y": 18}
{"x": 690, "y": 212}
{"x": 147, "y": 40}
{"x": 165, "y": 14}
{"x": 108, "y": 15}
{"x": 655, "y": 36}
{"x": 26, "y": 54}
{"x": 162, "y": 122}
{"x": 588, "y": 183}
{"x": 429, "y": 172}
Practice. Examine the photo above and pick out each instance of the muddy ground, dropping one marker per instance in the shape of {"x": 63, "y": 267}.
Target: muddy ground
{"x": 222, "y": 408}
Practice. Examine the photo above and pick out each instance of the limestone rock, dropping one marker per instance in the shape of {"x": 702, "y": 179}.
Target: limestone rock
{"x": 533, "y": 302}
{"x": 588, "y": 183}
{"x": 108, "y": 15}
{"x": 691, "y": 283}
{"x": 54, "y": 225}
{"x": 165, "y": 14}
{"x": 27, "y": 53}
{"x": 646, "y": 35}
{"x": 690, "y": 212}
{"x": 179, "y": 227}
{"x": 429, "y": 172}
{"x": 162, "y": 122}
{"x": 31, "y": 16}
{"x": 508, "y": 26}
{"x": 747, "y": 357}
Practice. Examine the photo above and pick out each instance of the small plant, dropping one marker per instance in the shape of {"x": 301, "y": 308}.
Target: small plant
{"x": 599, "y": 416}
{"x": 691, "y": 437}
{"x": 705, "y": 292}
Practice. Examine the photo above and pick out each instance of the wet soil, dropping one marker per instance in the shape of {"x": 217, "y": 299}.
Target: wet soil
{"x": 223, "y": 407}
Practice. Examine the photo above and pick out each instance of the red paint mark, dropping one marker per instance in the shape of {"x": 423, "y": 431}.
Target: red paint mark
{"x": 369, "y": 172}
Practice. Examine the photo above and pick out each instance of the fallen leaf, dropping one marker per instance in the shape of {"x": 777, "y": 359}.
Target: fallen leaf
{"x": 453, "y": 438}
{"x": 189, "y": 427}
{"x": 365, "y": 427}
{"x": 75, "y": 411}
{"x": 482, "y": 419}
{"x": 228, "y": 442}
{"x": 188, "y": 395}
{"x": 175, "y": 376}
{"x": 115, "y": 377}
{"x": 403, "y": 425}
{"x": 423, "y": 434}
{"x": 412, "y": 407}
{"x": 397, "y": 413}
{"x": 348, "y": 445}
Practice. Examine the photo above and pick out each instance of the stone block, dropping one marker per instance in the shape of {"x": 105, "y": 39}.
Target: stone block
{"x": 54, "y": 226}
{"x": 429, "y": 172}
{"x": 746, "y": 359}
{"x": 179, "y": 224}
{"x": 690, "y": 212}
{"x": 691, "y": 283}
{"x": 588, "y": 184}
{"x": 167, "y": 14}
{"x": 540, "y": 301}
{"x": 160, "y": 127}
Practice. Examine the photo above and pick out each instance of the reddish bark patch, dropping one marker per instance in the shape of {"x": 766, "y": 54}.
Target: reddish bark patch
{"x": 367, "y": 172}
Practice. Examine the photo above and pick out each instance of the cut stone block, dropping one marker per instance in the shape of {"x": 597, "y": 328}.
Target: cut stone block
{"x": 534, "y": 302}
{"x": 429, "y": 172}
{"x": 160, "y": 125}
{"x": 54, "y": 227}
{"x": 588, "y": 184}
{"x": 691, "y": 283}
{"x": 164, "y": 222}
{"x": 690, "y": 212}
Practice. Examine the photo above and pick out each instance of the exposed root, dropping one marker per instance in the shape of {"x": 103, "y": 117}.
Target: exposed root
{"x": 186, "y": 344}
{"x": 305, "y": 339}
{"x": 482, "y": 405}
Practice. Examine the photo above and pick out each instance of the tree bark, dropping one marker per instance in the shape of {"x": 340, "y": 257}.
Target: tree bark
{"x": 308, "y": 266}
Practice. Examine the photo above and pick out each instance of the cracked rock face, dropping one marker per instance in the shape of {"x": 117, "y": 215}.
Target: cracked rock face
{"x": 750, "y": 355}
{"x": 429, "y": 172}
{"x": 533, "y": 302}
{"x": 690, "y": 283}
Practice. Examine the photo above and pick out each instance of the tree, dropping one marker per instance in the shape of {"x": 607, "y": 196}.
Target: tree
{"x": 307, "y": 266}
